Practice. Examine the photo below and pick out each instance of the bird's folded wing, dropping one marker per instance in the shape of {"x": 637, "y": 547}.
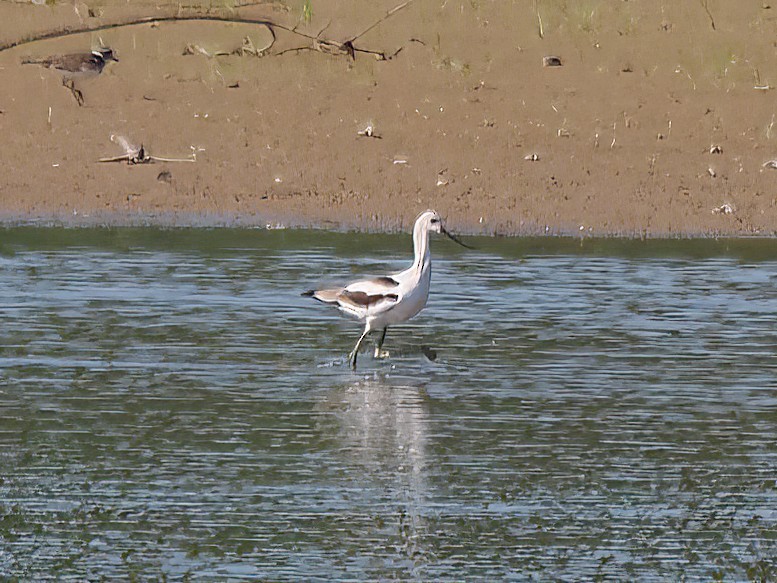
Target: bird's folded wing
{"x": 360, "y": 300}
{"x": 370, "y": 294}
{"x": 362, "y": 297}
{"x": 379, "y": 285}
{"x": 385, "y": 281}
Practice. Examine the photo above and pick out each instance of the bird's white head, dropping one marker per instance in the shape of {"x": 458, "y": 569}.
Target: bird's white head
{"x": 431, "y": 221}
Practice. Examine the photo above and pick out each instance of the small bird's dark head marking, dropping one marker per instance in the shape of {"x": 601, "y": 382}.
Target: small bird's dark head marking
{"x": 105, "y": 53}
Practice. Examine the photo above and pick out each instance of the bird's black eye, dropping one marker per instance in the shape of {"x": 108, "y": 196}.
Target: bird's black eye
{"x": 434, "y": 221}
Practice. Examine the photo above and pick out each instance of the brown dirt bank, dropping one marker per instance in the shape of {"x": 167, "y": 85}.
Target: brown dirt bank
{"x": 657, "y": 124}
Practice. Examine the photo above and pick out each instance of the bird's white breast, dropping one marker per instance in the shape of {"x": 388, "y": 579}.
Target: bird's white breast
{"x": 414, "y": 295}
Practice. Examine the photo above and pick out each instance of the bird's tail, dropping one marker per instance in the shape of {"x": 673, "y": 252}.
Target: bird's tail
{"x": 327, "y": 296}
{"x": 46, "y": 62}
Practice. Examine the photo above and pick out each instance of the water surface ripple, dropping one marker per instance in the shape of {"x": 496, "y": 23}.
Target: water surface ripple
{"x": 171, "y": 407}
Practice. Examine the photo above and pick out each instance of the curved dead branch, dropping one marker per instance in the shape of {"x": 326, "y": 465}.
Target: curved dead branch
{"x": 317, "y": 43}
{"x": 80, "y": 29}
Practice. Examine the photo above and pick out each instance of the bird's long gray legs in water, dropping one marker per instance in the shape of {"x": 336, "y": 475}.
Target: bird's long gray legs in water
{"x": 378, "y": 352}
{"x": 355, "y": 351}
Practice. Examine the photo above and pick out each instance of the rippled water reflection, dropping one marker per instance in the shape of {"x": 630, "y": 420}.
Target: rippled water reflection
{"x": 170, "y": 406}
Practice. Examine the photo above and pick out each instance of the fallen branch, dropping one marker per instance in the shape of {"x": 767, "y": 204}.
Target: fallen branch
{"x": 72, "y": 30}
{"x": 322, "y": 45}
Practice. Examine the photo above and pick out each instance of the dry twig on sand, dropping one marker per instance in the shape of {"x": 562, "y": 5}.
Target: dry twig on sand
{"x": 333, "y": 47}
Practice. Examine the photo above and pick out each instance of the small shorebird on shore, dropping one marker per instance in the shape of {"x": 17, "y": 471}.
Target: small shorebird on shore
{"x": 391, "y": 299}
{"x": 75, "y": 66}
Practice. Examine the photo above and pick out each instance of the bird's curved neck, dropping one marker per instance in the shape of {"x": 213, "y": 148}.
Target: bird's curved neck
{"x": 420, "y": 247}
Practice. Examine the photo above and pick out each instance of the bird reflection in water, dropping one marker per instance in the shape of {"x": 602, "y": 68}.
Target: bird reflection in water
{"x": 382, "y": 432}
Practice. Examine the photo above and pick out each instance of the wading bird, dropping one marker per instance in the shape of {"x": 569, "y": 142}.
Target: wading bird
{"x": 388, "y": 300}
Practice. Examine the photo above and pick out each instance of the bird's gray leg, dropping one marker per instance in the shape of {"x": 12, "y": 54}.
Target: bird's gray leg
{"x": 79, "y": 97}
{"x": 355, "y": 351}
{"x": 379, "y": 345}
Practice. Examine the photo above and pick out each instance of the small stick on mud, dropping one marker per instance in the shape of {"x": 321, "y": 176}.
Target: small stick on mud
{"x": 377, "y": 22}
{"x": 333, "y": 47}
{"x": 707, "y": 10}
{"x": 137, "y": 154}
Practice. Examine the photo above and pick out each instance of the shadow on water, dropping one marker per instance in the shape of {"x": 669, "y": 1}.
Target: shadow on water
{"x": 169, "y": 405}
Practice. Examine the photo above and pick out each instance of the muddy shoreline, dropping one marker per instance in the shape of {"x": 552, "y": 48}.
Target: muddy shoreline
{"x": 659, "y": 121}
{"x": 354, "y": 225}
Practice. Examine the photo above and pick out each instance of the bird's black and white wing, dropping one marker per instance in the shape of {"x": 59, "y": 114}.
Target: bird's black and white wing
{"x": 362, "y": 298}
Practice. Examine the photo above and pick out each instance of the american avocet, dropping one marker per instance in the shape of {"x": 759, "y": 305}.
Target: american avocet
{"x": 391, "y": 299}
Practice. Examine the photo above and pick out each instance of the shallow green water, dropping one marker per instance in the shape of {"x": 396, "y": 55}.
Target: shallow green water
{"x": 170, "y": 407}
